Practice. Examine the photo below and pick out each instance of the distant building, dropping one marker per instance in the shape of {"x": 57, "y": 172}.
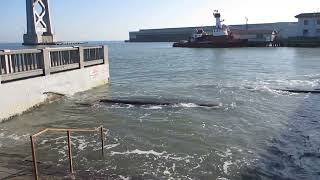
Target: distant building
{"x": 286, "y": 29}
{"x": 308, "y": 25}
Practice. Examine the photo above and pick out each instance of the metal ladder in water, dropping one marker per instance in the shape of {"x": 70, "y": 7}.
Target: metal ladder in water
{"x": 68, "y": 131}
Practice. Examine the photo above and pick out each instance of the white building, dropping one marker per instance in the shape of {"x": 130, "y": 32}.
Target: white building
{"x": 308, "y": 25}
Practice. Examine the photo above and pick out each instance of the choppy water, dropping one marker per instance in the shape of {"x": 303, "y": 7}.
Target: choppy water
{"x": 255, "y": 132}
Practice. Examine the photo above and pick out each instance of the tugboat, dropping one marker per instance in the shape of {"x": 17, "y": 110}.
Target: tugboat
{"x": 221, "y": 37}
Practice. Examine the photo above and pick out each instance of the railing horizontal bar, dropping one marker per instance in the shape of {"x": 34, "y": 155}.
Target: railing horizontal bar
{"x": 39, "y": 133}
{"x": 93, "y": 47}
{"x": 20, "y": 75}
{"x": 22, "y": 51}
{"x": 74, "y": 130}
{"x": 61, "y": 49}
{"x": 93, "y": 62}
{"x": 64, "y": 67}
{"x": 65, "y": 130}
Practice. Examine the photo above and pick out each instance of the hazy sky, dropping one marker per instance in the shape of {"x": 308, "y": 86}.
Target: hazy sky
{"x": 86, "y": 20}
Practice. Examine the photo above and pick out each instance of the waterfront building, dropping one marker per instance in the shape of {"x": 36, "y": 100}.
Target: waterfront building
{"x": 286, "y": 29}
{"x": 308, "y": 25}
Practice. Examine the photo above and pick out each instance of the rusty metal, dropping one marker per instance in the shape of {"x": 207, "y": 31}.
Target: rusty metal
{"x": 32, "y": 139}
{"x": 34, "y": 159}
{"x": 70, "y": 152}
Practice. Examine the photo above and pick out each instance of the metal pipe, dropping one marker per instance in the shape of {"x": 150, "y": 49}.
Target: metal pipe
{"x": 32, "y": 138}
{"x": 102, "y": 140}
{"x": 34, "y": 159}
{"x": 70, "y": 152}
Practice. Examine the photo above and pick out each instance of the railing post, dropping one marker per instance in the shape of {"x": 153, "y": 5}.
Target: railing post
{"x": 102, "y": 140}
{"x": 70, "y": 152}
{"x": 81, "y": 57}
{"x": 46, "y": 61}
{"x": 105, "y": 54}
{"x": 7, "y": 62}
{"x": 34, "y": 159}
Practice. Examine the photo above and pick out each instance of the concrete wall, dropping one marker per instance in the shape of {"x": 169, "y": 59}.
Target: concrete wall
{"x": 19, "y": 96}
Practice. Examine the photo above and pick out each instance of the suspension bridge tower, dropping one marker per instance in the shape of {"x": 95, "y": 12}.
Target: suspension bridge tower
{"x": 39, "y": 29}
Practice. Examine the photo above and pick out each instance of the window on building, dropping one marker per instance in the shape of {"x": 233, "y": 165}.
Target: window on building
{"x": 306, "y": 22}
{"x": 318, "y": 21}
{"x": 318, "y": 31}
{"x": 305, "y": 32}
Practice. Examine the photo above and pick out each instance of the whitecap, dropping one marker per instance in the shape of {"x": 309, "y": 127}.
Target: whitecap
{"x": 124, "y": 177}
{"x": 222, "y": 178}
{"x": 167, "y": 172}
{"x": 82, "y": 144}
{"x": 15, "y": 137}
{"x": 228, "y": 152}
{"x": 44, "y": 142}
{"x": 186, "y": 105}
{"x": 140, "y": 152}
{"x": 154, "y": 108}
{"x": 226, "y": 166}
{"x": 109, "y": 146}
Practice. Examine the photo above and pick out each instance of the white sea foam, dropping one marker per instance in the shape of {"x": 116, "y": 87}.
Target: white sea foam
{"x": 109, "y": 146}
{"x": 43, "y": 142}
{"x": 312, "y": 75}
{"x": 228, "y": 152}
{"x": 167, "y": 172}
{"x": 153, "y": 108}
{"x": 186, "y": 105}
{"x": 226, "y": 166}
{"x": 17, "y": 137}
{"x": 222, "y": 178}
{"x": 124, "y": 178}
{"x": 82, "y": 144}
{"x": 139, "y": 152}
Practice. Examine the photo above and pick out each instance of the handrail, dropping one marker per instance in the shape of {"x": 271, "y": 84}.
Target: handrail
{"x": 33, "y": 149}
{"x": 62, "y": 49}
{"x": 19, "y": 51}
{"x": 29, "y": 63}
{"x": 91, "y": 47}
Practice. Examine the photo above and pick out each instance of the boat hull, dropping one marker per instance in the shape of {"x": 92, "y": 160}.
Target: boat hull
{"x": 232, "y": 44}
{"x": 219, "y": 42}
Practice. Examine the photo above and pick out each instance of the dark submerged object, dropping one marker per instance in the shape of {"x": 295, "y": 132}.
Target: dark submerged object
{"x": 316, "y": 91}
{"x": 151, "y": 103}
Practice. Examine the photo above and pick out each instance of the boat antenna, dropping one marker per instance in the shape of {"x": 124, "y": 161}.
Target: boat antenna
{"x": 247, "y": 19}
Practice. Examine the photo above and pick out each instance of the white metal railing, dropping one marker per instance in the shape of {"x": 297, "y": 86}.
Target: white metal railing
{"x": 28, "y": 63}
